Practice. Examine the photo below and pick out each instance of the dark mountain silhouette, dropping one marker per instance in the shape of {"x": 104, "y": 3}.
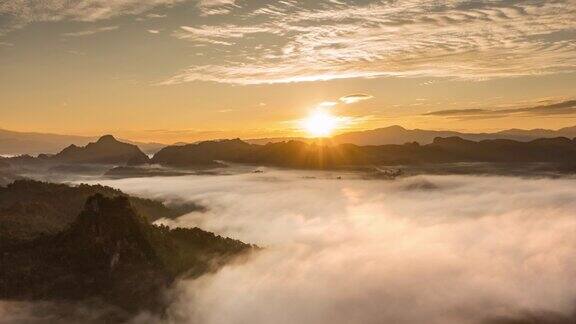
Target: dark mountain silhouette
{"x": 31, "y": 208}
{"x": 202, "y": 154}
{"x": 18, "y": 143}
{"x": 113, "y": 255}
{"x": 107, "y": 150}
{"x": 324, "y": 154}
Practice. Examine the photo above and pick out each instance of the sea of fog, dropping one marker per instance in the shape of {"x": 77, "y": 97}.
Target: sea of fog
{"x": 339, "y": 249}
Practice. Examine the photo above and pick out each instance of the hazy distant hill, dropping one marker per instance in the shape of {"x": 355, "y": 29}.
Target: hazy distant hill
{"x": 401, "y": 135}
{"x": 15, "y": 143}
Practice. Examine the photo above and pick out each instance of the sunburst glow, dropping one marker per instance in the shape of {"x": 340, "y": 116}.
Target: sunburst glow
{"x": 320, "y": 123}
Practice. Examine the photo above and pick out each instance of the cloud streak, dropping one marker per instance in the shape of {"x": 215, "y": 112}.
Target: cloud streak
{"x": 89, "y": 32}
{"x": 567, "y": 107}
{"x": 334, "y": 40}
{"x": 24, "y": 11}
{"x": 354, "y": 98}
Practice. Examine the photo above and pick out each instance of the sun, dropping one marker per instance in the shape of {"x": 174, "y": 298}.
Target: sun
{"x": 320, "y": 123}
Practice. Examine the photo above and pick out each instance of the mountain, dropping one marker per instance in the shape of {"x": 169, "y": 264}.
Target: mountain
{"x": 107, "y": 150}
{"x": 204, "y": 154}
{"x": 266, "y": 140}
{"x": 17, "y": 143}
{"x": 32, "y": 208}
{"x": 112, "y": 255}
{"x": 326, "y": 155}
{"x": 400, "y": 135}
{"x": 569, "y": 132}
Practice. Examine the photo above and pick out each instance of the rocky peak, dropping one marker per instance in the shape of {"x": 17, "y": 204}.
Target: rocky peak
{"x": 107, "y": 150}
{"x": 109, "y": 221}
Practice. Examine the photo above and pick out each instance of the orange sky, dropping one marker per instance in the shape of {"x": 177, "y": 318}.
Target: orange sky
{"x": 184, "y": 70}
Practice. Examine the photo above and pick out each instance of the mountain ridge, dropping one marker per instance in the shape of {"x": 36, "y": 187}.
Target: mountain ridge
{"x": 110, "y": 254}
{"x": 33, "y": 143}
{"x": 397, "y": 134}
{"x": 327, "y": 155}
{"x": 106, "y": 150}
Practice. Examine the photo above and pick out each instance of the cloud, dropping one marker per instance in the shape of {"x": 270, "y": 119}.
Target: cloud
{"x": 560, "y": 108}
{"x": 327, "y": 104}
{"x": 335, "y": 39}
{"x": 92, "y": 31}
{"x": 17, "y": 14}
{"x": 154, "y": 15}
{"x": 267, "y": 42}
{"x": 354, "y": 98}
{"x": 432, "y": 249}
{"x": 153, "y": 31}
{"x": 216, "y": 7}
{"x": 220, "y": 35}
{"x": 25, "y": 11}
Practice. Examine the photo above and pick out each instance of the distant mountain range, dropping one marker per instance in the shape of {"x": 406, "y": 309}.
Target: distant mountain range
{"x": 320, "y": 154}
{"x": 14, "y": 143}
{"x": 400, "y": 135}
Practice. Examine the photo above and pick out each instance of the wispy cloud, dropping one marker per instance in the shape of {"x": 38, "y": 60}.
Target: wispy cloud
{"x": 222, "y": 34}
{"x": 92, "y": 31}
{"x": 354, "y": 98}
{"x": 216, "y": 7}
{"x": 558, "y": 108}
{"x": 333, "y": 40}
{"x": 87, "y": 10}
{"x": 264, "y": 42}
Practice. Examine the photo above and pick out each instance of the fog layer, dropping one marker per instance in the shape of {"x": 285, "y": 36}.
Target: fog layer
{"x": 435, "y": 249}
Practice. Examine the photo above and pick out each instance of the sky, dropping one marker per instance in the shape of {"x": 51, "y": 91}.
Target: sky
{"x": 183, "y": 70}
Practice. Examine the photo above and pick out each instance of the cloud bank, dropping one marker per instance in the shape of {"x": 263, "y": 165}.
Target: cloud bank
{"x": 434, "y": 249}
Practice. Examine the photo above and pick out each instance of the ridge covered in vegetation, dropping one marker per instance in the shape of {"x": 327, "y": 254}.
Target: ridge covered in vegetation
{"x": 111, "y": 254}
{"x": 29, "y": 208}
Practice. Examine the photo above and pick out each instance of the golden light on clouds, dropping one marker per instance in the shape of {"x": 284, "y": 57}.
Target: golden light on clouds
{"x": 474, "y": 66}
